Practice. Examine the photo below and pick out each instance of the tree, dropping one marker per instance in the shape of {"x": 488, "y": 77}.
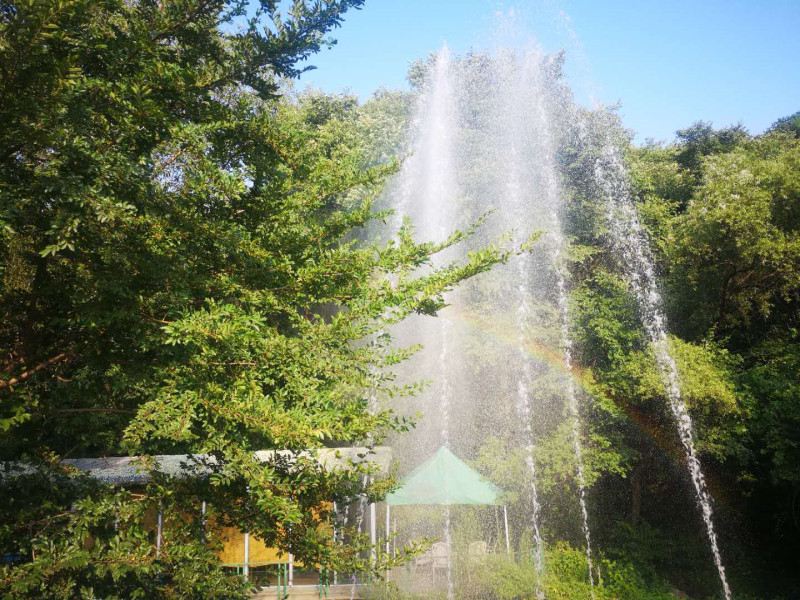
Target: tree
{"x": 179, "y": 275}
{"x": 790, "y": 124}
{"x": 737, "y": 246}
{"x": 701, "y": 139}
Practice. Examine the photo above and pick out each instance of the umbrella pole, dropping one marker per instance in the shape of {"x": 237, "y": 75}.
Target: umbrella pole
{"x": 496, "y": 526}
{"x": 505, "y": 522}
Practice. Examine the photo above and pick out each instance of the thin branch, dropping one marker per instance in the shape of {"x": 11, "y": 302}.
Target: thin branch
{"x": 94, "y": 410}
{"x": 30, "y": 372}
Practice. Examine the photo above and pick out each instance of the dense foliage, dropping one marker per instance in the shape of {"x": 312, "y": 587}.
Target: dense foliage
{"x": 179, "y": 275}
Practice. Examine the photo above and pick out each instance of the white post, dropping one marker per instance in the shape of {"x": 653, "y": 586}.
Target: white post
{"x": 497, "y": 524}
{"x": 505, "y": 522}
{"x": 373, "y": 531}
{"x": 394, "y": 538}
{"x": 334, "y": 536}
{"x": 246, "y": 568}
{"x": 291, "y": 569}
{"x": 159, "y": 529}
{"x": 387, "y": 533}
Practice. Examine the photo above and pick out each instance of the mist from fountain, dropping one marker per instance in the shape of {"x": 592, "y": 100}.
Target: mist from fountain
{"x": 531, "y": 84}
{"x": 446, "y": 394}
{"x": 482, "y": 142}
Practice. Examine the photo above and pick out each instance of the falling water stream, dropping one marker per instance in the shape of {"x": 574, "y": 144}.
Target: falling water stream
{"x": 526, "y": 416}
{"x": 550, "y": 196}
{"x": 518, "y": 188}
{"x": 572, "y": 397}
{"x": 541, "y": 149}
{"x": 629, "y": 240}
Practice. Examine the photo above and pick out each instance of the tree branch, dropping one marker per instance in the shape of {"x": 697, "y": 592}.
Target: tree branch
{"x": 93, "y": 410}
{"x": 30, "y": 372}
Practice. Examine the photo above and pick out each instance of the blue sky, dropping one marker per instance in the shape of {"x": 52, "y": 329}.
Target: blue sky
{"x": 668, "y": 62}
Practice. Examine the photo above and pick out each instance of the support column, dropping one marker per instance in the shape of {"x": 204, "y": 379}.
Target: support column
{"x": 497, "y": 525}
{"x": 291, "y": 569}
{"x": 159, "y": 530}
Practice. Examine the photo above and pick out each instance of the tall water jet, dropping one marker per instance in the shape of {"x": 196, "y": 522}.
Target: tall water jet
{"x": 487, "y": 136}
{"x": 429, "y": 192}
{"x": 552, "y": 196}
{"x": 555, "y": 245}
{"x": 428, "y": 177}
{"x": 629, "y": 240}
{"x": 516, "y": 203}
{"x": 529, "y": 101}
{"x": 441, "y": 188}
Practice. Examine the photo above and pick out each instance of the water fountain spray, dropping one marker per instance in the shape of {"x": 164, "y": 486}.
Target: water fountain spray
{"x": 482, "y": 141}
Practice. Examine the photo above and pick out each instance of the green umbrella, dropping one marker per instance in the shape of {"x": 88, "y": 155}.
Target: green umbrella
{"x": 445, "y": 479}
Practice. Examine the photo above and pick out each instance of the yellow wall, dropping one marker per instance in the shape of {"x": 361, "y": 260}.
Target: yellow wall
{"x": 232, "y": 552}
